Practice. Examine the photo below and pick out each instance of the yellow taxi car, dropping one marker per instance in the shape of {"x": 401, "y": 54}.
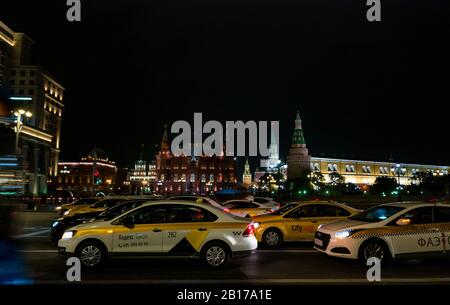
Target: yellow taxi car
{"x": 298, "y": 221}
{"x": 85, "y": 202}
{"x": 389, "y": 231}
{"x": 162, "y": 228}
{"x": 97, "y": 206}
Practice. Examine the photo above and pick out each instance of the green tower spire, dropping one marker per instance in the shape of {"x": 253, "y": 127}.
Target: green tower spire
{"x": 298, "y": 138}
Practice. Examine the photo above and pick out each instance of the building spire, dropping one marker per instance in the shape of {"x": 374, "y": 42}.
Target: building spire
{"x": 141, "y": 155}
{"x": 247, "y": 168}
{"x": 165, "y": 137}
{"x": 298, "y": 138}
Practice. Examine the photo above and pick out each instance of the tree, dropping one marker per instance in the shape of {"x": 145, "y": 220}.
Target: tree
{"x": 301, "y": 186}
{"x": 383, "y": 186}
{"x": 317, "y": 179}
{"x": 336, "y": 179}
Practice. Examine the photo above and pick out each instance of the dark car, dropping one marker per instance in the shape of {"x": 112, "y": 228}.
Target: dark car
{"x": 62, "y": 224}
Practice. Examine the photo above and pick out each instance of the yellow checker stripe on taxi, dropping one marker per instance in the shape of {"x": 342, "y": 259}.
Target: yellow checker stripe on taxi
{"x": 386, "y": 232}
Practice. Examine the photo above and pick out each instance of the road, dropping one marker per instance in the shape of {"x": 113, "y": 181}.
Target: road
{"x": 293, "y": 263}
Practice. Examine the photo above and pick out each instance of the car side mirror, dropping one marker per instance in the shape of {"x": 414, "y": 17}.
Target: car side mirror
{"x": 403, "y": 222}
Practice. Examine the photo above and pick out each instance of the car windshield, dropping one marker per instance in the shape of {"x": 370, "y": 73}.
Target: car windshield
{"x": 285, "y": 209}
{"x": 377, "y": 214}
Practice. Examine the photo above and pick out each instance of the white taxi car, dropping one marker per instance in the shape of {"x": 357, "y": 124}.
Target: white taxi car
{"x": 162, "y": 228}
{"x": 389, "y": 231}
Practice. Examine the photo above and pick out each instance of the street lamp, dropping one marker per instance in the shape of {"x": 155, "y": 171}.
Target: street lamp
{"x": 19, "y": 114}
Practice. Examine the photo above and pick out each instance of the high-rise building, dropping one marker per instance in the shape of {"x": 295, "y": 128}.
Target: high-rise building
{"x": 30, "y": 88}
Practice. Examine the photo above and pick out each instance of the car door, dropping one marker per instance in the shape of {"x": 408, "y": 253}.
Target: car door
{"x": 299, "y": 224}
{"x": 140, "y": 231}
{"x": 186, "y": 228}
{"x": 442, "y": 219}
{"x": 419, "y": 235}
{"x": 326, "y": 213}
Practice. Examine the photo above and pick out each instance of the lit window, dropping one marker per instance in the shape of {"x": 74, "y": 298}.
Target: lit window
{"x": 316, "y": 167}
{"x": 192, "y": 178}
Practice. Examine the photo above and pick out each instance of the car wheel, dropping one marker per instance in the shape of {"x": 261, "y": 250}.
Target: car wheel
{"x": 272, "y": 238}
{"x": 216, "y": 255}
{"x": 91, "y": 254}
{"x": 376, "y": 249}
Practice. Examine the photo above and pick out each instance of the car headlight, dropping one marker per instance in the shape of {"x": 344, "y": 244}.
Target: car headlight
{"x": 66, "y": 212}
{"x": 344, "y": 233}
{"x": 54, "y": 224}
{"x": 320, "y": 226}
{"x": 68, "y": 234}
{"x": 58, "y": 208}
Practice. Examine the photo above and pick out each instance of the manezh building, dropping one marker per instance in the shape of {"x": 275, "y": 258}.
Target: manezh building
{"x": 354, "y": 171}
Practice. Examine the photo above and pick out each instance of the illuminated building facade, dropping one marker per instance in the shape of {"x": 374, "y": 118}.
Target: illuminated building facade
{"x": 247, "y": 176}
{"x": 365, "y": 172}
{"x": 31, "y": 88}
{"x": 354, "y": 171}
{"x": 24, "y": 173}
{"x": 143, "y": 175}
{"x": 90, "y": 175}
{"x": 192, "y": 175}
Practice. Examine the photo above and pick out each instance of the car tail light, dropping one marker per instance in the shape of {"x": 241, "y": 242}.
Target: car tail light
{"x": 227, "y": 210}
{"x": 249, "y": 231}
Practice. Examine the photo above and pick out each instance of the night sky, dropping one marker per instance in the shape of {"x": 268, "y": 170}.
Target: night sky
{"x": 364, "y": 90}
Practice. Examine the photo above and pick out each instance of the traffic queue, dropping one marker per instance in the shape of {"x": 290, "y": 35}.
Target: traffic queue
{"x": 200, "y": 227}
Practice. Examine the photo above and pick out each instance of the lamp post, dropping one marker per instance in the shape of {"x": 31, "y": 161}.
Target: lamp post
{"x": 398, "y": 171}
{"x": 19, "y": 115}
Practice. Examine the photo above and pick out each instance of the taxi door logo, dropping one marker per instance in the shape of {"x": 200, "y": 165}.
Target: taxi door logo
{"x": 296, "y": 228}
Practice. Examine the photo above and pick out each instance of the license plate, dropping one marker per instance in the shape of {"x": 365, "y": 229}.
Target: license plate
{"x": 318, "y": 242}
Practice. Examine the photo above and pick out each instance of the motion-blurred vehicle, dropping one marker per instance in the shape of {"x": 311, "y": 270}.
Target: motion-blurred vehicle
{"x": 162, "y": 228}
{"x": 389, "y": 231}
{"x": 63, "y": 223}
{"x": 80, "y": 202}
{"x": 101, "y": 205}
{"x": 197, "y": 199}
{"x": 298, "y": 221}
{"x": 246, "y": 208}
{"x": 267, "y": 202}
